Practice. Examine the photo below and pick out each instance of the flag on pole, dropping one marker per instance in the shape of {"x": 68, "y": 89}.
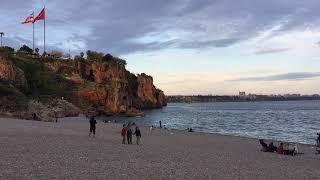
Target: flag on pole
{"x": 29, "y": 19}
{"x": 41, "y": 16}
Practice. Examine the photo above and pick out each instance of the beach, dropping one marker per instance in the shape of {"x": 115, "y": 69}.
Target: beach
{"x": 63, "y": 150}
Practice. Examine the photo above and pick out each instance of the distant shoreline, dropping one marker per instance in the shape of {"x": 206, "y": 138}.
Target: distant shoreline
{"x": 250, "y": 98}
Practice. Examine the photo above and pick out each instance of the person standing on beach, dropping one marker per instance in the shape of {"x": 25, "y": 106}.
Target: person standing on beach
{"x": 160, "y": 124}
{"x": 93, "y": 123}
{"x": 138, "y": 135}
{"x": 129, "y": 134}
{"x": 123, "y": 134}
{"x": 56, "y": 117}
{"x": 280, "y": 149}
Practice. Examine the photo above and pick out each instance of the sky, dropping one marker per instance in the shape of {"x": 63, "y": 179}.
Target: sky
{"x": 190, "y": 47}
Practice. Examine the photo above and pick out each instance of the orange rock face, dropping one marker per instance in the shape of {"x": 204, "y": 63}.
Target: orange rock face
{"x": 112, "y": 89}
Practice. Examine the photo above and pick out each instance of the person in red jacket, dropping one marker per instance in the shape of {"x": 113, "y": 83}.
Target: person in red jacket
{"x": 123, "y": 134}
{"x": 280, "y": 149}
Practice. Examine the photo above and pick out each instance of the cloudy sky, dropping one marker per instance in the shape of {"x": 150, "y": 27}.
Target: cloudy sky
{"x": 188, "y": 46}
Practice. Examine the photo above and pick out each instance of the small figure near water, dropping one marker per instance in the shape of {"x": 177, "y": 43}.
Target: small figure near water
{"x": 160, "y": 124}
{"x": 93, "y": 123}
{"x": 264, "y": 145}
{"x": 290, "y": 149}
{"x": 189, "y": 129}
{"x": 138, "y": 135}
{"x": 151, "y": 128}
{"x": 318, "y": 143}
{"x": 123, "y": 133}
{"x": 56, "y": 117}
{"x": 272, "y": 148}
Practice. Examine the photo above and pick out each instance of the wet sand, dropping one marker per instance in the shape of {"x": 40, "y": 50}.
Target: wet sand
{"x": 39, "y": 150}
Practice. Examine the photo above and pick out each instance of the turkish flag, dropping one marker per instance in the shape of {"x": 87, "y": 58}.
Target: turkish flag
{"x": 41, "y": 16}
{"x": 29, "y": 19}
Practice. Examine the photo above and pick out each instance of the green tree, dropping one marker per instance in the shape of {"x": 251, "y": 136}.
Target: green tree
{"x": 25, "y": 49}
{"x": 8, "y": 51}
{"x": 93, "y": 56}
{"x": 82, "y": 55}
{"x": 37, "y": 51}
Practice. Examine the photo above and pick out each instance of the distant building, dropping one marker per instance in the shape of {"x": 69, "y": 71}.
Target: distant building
{"x": 242, "y": 94}
{"x": 252, "y": 97}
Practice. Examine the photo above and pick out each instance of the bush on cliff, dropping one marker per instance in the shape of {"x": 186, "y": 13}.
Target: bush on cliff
{"x": 42, "y": 80}
{"x": 7, "y": 51}
{"x": 25, "y": 50}
{"x": 11, "y": 99}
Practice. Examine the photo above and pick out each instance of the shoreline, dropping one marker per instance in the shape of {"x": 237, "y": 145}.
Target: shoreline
{"x": 82, "y": 116}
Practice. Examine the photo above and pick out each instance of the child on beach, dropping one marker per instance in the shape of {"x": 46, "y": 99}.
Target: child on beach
{"x": 123, "y": 134}
{"x": 318, "y": 144}
{"x": 138, "y": 135}
{"x": 93, "y": 123}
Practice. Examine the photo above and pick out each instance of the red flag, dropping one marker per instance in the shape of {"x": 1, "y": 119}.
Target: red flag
{"x": 41, "y": 16}
{"x": 29, "y": 19}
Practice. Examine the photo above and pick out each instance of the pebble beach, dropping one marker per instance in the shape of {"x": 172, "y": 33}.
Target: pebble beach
{"x": 63, "y": 150}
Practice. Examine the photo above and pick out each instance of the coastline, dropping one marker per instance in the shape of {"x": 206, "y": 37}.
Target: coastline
{"x": 81, "y": 117}
{"x": 63, "y": 150}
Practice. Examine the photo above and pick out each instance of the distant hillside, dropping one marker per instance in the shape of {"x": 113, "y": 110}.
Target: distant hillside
{"x": 97, "y": 84}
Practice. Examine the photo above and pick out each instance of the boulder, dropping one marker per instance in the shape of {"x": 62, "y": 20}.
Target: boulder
{"x": 58, "y": 108}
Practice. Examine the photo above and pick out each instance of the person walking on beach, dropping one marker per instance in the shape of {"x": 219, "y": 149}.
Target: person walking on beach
{"x": 56, "y": 117}
{"x": 160, "y": 124}
{"x": 138, "y": 135}
{"x": 318, "y": 144}
{"x": 129, "y": 134}
{"x": 93, "y": 123}
{"x": 123, "y": 134}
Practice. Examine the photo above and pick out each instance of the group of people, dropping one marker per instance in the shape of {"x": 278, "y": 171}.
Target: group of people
{"x": 127, "y": 133}
{"x": 283, "y": 148}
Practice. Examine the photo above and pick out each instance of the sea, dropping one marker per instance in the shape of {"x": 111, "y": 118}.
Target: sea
{"x": 289, "y": 121}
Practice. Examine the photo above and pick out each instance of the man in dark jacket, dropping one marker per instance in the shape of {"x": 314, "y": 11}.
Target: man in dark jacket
{"x": 93, "y": 123}
{"x": 129, "y": 133}
{"x": 138, "y": 135}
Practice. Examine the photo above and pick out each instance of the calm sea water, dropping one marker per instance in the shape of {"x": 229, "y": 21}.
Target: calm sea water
{"x": 293, "y": 121}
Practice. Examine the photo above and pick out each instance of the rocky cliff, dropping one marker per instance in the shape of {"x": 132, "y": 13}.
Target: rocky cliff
{"x": 113, "y": 89}
{"x": 101, "y": 86}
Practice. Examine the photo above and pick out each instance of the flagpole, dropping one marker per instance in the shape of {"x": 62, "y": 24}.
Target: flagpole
{"x": 33, "y": 36}
{"x": 44, "y": 35}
